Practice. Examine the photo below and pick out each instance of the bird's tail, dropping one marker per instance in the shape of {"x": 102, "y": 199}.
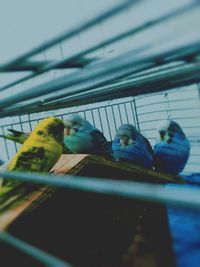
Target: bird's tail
{"x": 16, "y": 136}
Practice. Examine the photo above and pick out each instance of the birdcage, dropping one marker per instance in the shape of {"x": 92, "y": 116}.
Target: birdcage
{"x": 112, "y": 62}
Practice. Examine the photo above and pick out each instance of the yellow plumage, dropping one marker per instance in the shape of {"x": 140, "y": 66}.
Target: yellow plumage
{"x": 42, "y": 149}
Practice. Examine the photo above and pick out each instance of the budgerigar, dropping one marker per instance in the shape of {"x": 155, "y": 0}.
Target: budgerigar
{"x": 82, "y": 137}
{"x": 131, "y": 146}
{"x": 172, "y": 148}
{"x": 20, "y": 137}
{"x": 42, "y": 149}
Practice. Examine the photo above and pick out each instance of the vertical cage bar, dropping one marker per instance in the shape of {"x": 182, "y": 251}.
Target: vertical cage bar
{"x": 84, "y": 114}
{"x": 126, "y": 113}
{"x": 109, "y": 130}
{"x": 100, "y": 120}
{"x": 20, "y": 122}
{"x": 29, "y": 121}
{"x": 92, "y": 116}
{"x": 120, "y": 115}
{"x": 113, "y": 114}
{"x": 14, "y": 142}
{"x": 5, "y": 143}
{"x": 135, "y": 113}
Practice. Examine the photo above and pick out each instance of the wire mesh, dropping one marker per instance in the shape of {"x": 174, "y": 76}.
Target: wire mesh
{"x": 145, "y": 112}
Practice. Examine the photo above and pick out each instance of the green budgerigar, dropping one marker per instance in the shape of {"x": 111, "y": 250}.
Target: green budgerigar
{"x": 20, "y": 137}
{"x": 42, "y": 148}
{"x": 39, "y": 153}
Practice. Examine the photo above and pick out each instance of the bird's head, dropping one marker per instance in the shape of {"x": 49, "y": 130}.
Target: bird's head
{"x": 74, "y": 123}
{"x": 127, "y": 135}
{"x": 167, "y": 129}
{"x": 50, "y": 127}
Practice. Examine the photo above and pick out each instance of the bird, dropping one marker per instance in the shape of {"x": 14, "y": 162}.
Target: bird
{"x": 131, "y": 146}
{"x": 81, "y": 137}
{"x": 20, "y": 137}
{"x": 172, "y": 148}
{"x": 41, "y": 149}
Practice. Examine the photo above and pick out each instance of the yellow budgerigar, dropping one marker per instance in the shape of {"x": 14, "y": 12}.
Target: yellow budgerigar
{"x": 42, "y": 149}
{"x": 20, "y": 137}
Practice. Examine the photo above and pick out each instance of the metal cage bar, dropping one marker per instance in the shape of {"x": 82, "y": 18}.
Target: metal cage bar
{"x": 34, "y": 252}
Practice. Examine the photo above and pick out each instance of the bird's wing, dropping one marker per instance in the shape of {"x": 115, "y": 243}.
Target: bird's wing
{"x": 148, "y": 145}
{"x": 101, "y": 145}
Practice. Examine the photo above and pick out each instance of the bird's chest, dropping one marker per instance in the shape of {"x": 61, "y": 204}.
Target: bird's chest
{"x": 79, "y": 142}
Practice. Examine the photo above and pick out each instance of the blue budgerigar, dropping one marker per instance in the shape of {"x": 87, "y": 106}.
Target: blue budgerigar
{"x": 131, "y": 146}
{"x": 172, "y": 148}
{"x": 81, "y": 137}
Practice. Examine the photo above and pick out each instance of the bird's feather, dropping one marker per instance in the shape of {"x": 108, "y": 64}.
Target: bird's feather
{"x": 39, "y": 153}
{"x": 83, "y": 138}
{"x": 41, "y": 149}
{"x": 131, "y": 146}
{"x": 172, "y": 148}
{"x": 20, "y": 137}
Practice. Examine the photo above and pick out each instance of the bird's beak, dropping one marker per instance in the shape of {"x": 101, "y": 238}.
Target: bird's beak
{"x": 124, "y": 140}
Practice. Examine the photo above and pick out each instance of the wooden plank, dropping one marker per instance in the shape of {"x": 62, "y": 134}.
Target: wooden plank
{"x": 65, "y": 165}
{"x": 8, "y": 217}
{"x": 95, "y": 166}
{"x": 67, "y": 162}
{"x": 83, "y": 164}
{"x": 136, "y": 172}
{"x": 95, "y": 230}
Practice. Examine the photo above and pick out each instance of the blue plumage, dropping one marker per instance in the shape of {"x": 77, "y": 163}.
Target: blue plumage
{"x": 184, "y": 225}
{"x": 172, "y": 149}
{"x": 131, "y": 146}
{"x": 81, "y": 137}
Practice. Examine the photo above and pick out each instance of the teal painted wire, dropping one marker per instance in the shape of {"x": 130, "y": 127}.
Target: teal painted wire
{"x": 178, "y": 195}
{"x": 32, "y": 251}
{"x": 97, "y": 74}
{"x": 80, "y": 28}
{"x": 91, "y": 49}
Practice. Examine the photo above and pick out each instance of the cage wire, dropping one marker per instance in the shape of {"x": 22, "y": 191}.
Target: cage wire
{"x": 144, "y": 112}
{"x": 118, "y": 62}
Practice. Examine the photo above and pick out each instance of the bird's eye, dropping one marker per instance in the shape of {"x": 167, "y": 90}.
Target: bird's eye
{"x": 75, "y": 129}
{"x": 76, "y": 125}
